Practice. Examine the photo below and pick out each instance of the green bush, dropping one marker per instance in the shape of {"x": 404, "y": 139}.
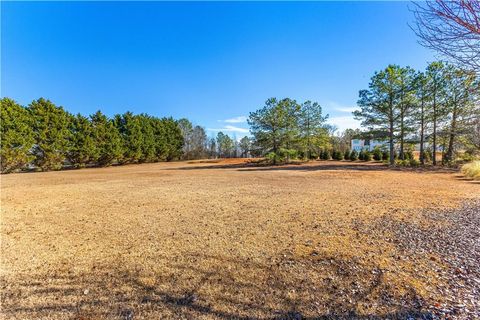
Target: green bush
{"x": 407, "y": 163}
{"x": 325, "y": 155}
{"x": 361, "y": 155}
{"x": 385, "y": 155}
{"x": 274, "y": 158}
{"x": 377, "y": 154}
{"x": 367, "y": 156}
{"x": 354, "y": 155}
{"x": 337, "y": 155}
{"x": 346, "y": 155}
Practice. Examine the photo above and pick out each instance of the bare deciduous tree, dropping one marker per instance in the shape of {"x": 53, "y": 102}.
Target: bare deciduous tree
{"x": 451, "y": 27}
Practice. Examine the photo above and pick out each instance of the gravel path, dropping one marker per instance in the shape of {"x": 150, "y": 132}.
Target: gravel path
{"x": 454, "y": 237}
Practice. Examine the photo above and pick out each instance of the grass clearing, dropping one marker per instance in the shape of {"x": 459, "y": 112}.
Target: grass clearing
{"x": 221, "y": 240}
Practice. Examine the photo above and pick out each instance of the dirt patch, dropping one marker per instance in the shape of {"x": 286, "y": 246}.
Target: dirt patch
{"x": 226, "y": 240}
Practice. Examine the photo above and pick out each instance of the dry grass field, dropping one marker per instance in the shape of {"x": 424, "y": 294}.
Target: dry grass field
{"x": 228, "y": 240}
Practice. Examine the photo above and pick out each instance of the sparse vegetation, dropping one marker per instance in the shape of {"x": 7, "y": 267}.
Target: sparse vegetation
{"x": 173, "y": 240}
{"x": 472, "y": 170}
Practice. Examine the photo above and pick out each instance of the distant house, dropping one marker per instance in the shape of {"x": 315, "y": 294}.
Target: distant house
{"x": 360, "y": 144}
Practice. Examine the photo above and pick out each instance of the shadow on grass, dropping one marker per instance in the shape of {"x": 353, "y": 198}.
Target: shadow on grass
{"x": 214, "y": 287}
{"x": 319, "y": 166}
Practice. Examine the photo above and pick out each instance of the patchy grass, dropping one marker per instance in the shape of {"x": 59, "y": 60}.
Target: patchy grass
{"x": 472, "y": 170}
{"x": 221, "y": 240}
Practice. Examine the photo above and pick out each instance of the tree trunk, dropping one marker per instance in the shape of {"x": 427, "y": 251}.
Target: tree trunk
{"x": 402, "y": 133}
{"x": 449, "y": 155}
{"x": 434, "y": 151}
{"x": 422, "y": 134}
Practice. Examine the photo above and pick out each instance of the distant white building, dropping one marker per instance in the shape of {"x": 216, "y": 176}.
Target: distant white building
{"x": 360, "y": 144}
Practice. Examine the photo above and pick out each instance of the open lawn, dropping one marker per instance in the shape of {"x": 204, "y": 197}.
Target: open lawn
{"x": 210, "y": 240}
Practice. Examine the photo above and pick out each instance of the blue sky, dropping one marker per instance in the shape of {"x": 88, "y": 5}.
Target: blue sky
{"x": 212, "y": 62}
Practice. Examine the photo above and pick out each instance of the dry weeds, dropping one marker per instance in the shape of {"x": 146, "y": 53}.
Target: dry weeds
{"x": 203, "y": 240}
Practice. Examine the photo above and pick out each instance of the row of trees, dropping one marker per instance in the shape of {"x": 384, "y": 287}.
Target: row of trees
{"x": 285, "y": 129}
{"x": 45, "y": 136}
{"x": 198, "y": 146}
{"x": 438, "y": 107}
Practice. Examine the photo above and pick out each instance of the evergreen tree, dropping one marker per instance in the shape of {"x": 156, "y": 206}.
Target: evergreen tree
{"x": 16, "y": 134}
{"x": 354, "y": 155}
{"x": 82, "y": 148}
{"x": 421, "y": 110}
{"x": 130, "y": 129}
{"x": 462, "y": 95}
{"x": 311, "y": 125}
{"x": 435, "y": 76}
{"x": 107, "y": 139}
{"x": 147, "y": 147}
{"x": 50, "y": 125}
{"x": 173, "y": 138}
{"x": 379, "y": 104}
{"x": 275, "y": 126}
{"x": 245, "y": 144}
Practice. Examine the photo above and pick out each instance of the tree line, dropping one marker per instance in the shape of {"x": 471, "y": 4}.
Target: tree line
{"x": 437, "y": 108}
{"x": 197, "y": 145}
{"x": 44, "y": 136}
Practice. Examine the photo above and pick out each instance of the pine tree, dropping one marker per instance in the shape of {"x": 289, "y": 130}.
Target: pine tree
{"x": 82, "y": 149}
{"x": 147, "y": 143}
{"x": 16, "y": 134}
{"x": 107, "y": 139}
{"x": 174, "y": 138}
{"x": 50, "y": 124}
{"x": 128, "y": 125}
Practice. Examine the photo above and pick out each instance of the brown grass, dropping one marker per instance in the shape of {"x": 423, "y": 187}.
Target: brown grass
{"x": 216, "y": 240}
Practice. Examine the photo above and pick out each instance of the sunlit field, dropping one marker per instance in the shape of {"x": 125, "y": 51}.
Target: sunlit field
{"x": 226, "y": 239}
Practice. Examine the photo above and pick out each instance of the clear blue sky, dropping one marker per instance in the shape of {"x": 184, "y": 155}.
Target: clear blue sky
{"x": 208, "y": 62}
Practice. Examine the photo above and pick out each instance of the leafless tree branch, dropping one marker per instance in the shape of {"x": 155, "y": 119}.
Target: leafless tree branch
{"x": 452, "y": 28}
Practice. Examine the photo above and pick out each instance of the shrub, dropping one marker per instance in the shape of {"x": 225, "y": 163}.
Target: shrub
{"x": 354, "y": 155}
{"x": 288, "y": 153}
{"x": 427, "y": 156}
{"x": 377, "y": 154}
{"x": 274, "y": 158}
{"x": 385, "y": 155}
{"x": 346, "y": 155}
{"x": 337, "y": 155}
{"x": 414, "y": 162}
{"x": 367, "y": 156}
{"x": 325, "y": 155}
{"x": 407, "y": 163}
{"x": 472, "y": 170}
{"x": 361, "y": 155}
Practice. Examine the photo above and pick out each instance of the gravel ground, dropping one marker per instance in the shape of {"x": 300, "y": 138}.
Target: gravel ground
{"x": 452, "y": 243}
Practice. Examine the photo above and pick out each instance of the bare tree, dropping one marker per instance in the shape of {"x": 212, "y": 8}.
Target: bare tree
{"x": 451, "y": 27}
